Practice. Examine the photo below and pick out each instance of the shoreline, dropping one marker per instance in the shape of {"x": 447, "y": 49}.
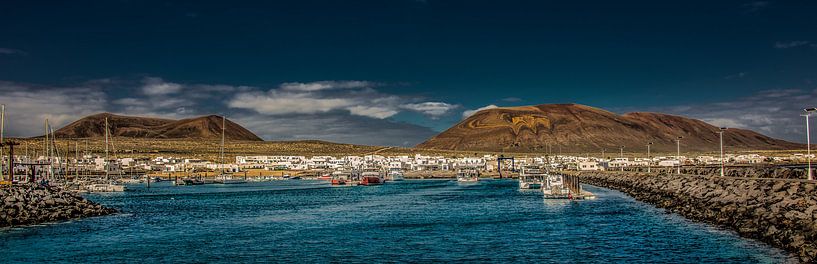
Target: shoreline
{"x": 779, "y": 212}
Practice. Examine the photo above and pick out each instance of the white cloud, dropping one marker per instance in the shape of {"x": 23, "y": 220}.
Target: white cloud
{"x": 275, "y": 102}
{"x": 790, "y": 44}
{"x": 27, "y": 106}
{"x": 755, "y": 6}
{"x": 433, "y": 109}
{"x": 774, "y": 113}
{"x": 7, "y": 51}
{"x": 325, "y": 85}
{"x": 156, "y": 86}
{"x": 467, "y": 113}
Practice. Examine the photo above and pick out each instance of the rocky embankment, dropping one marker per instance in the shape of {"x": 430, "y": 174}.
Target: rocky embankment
{"x": 33, "y": 204}
{"x": 759, "y": 171}
{"x": 779, "y": 212}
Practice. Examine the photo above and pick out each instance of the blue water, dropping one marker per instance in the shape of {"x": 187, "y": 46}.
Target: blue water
{"x": 411, "y": 221}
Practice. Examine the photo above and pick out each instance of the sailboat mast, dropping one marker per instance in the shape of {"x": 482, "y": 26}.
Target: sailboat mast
{"x": 2, "y": 134}
{"x": 106, "y": 149}
{"x": 222, "y": 147}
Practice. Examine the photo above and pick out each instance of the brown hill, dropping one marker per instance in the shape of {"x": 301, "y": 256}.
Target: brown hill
{"x": 204, "y": 127}
{"x": 578, "y": 128}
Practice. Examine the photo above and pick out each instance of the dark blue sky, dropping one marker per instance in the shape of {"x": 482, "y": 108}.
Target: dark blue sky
{"x": 706, "y": 59}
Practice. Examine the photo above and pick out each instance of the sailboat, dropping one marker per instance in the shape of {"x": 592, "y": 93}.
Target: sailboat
{"x": 225, "y": 178}
{"x": 108, "y": 185}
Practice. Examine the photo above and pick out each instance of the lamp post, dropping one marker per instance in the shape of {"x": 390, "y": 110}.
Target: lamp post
{"x": 649, "y": 158}
{"x": 621, "y": 155}
{"x": 678, "y": 156}
{"x": 808, "y": 111}
{"x": 723, "y": 129}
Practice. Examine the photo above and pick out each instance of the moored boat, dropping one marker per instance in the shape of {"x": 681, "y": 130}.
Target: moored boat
{"x": 395, "y": 174}
{"x": 531, "y": 177}
{"x": 371, "y": 177}
{"x": 554, "y": 187}
{"x": 468, "y": 175}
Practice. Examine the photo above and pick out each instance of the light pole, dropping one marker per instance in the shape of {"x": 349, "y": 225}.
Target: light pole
{"x": 678, "y": 156}
{"x": 723, "y": 129}
{"x": 809, "y": 111}
{"x": 621, "y": 155}
{"x": 649, "y": 158}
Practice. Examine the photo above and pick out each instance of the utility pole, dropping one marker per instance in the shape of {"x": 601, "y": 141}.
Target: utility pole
{"x": 678, "y": 156}
{"x": 723, "y": 129}
{"x": 621, "y": 155}
{"x": 809, "y": 111}
{"x": 649, "y": 158}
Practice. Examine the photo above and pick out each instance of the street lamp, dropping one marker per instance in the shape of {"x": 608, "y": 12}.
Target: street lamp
{"x": 678, "y": 156}
{"x": 649, "y": 158}
{"x": 723, "y": 129}
{"x": 621, "y": 155}
{"x": 809, "y": 111}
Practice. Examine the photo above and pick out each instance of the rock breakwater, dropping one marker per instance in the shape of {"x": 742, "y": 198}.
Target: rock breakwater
{"x": 780, "y": 212}
{"x": 28, "y": 204}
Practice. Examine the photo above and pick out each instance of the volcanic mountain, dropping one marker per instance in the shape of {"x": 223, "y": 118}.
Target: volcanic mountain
{"x": 574, "y": 128}
{"x": 204, "y": 127}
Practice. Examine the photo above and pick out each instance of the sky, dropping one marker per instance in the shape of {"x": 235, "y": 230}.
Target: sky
{"x": 396, "y": 72}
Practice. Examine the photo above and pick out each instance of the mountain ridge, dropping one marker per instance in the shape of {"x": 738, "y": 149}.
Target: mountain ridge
{"x": 202, "y": 127}
{"x": 581, "y": 128}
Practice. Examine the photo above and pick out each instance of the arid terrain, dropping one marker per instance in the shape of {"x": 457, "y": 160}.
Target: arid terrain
{"x": 204, "y": 127}
{"x": 578, "y": 128}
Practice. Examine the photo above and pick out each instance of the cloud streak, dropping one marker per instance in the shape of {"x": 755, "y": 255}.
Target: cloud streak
{"x": 467, "y": 113}
{"x": 774, "y": 113}
{"x": 791, "y": 44}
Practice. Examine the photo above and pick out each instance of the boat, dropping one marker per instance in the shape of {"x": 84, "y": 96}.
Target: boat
{"x": 531, "y": 177}
{"x": 343, "y": 178}
{"x": 468, "y": 174}
{"x": 228, "y": 179}
{"x": 325, "y": 177}
{"x": 104, "y": 187}
{"x": 395, "y": 174}
{"x": 371, "y": 177}
{"x": 554, "y": 187}
{"x": 191, "y": 181}
{"x": 225, "y": 178}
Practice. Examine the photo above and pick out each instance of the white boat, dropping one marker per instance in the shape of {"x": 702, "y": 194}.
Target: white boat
{"x": 103, "y": 187}
{"x": 468, "y": 174}
{"x": 228, "y": 179}
{"x": 531, "y": 177}
{"x": 395, "y": 174}
{"x": 554, "y": 187}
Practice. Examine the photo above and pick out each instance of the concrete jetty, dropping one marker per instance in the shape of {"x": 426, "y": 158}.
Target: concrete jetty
{"x": 781, "y": 212}
{"x": 27, "y": 204}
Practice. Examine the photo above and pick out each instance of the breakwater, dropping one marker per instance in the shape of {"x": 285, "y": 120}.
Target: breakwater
{"x": 28, "y": 204}
{"x": 780, "y": 212}
{"x": 749, "y": 171}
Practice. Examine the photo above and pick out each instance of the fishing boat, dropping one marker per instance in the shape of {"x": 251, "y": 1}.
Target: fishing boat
{"x": 531, "y": 177}
{"x": 343, "y": 178}
{"x": 554, "y": 187}
{"x": 395, "y": 174}
{"x": 371, "y": 177}
{"x": 468, "y": 174}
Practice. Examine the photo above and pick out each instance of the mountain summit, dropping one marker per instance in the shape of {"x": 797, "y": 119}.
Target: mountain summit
{"x": 579, "y": 128}
{"x": 204, "y": 127}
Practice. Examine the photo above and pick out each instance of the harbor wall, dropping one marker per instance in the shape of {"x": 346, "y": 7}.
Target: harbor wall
{"x": 780, "y": 212}
{"x": 28, "y": 204}
{"x": 753, "y": 171}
